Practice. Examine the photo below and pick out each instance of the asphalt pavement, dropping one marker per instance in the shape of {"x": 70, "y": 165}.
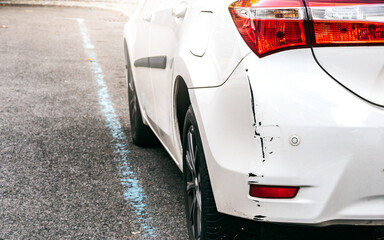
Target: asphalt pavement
{"x": 68, "y": 169}
{"x": 125, "y": 7}
{"x": 60, "y": 174}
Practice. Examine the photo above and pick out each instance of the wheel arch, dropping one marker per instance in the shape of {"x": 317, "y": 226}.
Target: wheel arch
{"x": 126, "y": 54}
{"x": 182, "y": 102}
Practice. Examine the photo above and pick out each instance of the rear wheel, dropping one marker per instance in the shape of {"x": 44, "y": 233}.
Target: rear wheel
{"x": 203, "y": 220}
{"x": 142, "y": 135}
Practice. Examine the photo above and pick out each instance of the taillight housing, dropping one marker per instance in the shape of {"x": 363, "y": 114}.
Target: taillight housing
{"x": 346, "y": 23}
{"x": 270, "y": 26}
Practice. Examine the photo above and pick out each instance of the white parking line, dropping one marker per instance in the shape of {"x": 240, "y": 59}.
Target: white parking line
{"x": 134, "y": 193}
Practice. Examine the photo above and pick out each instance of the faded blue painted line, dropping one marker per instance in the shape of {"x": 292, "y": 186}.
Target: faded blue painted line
{"x": 133, "y": 192}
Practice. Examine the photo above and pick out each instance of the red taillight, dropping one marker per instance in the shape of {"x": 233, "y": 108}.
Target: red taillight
{"x": 346, "y": 22}
{"x": 273, "y": 191}
{"x": 269, "y": 26}
{"x": 345, "y": 33}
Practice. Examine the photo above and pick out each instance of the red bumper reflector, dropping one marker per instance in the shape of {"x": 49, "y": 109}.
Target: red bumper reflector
{"x": 273, "y": 191}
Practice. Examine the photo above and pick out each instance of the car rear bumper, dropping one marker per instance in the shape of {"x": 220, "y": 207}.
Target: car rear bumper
{"x": 246, "y": 126}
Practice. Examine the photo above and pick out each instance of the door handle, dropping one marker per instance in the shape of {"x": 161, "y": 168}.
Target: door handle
{"x": 180, "y": 9}
{"x": 147, "y": 16}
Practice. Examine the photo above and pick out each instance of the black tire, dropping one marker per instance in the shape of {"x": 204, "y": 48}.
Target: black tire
{"x": 141, "y": 134}
{"x": 204, "y": 222}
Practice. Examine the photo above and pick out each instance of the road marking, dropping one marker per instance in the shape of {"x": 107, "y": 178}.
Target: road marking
{"x": 133, "y": 192}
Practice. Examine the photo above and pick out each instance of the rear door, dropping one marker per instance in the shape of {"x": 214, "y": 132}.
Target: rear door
{"x": 167, "y": 19}
{"x": 139, "y": 55}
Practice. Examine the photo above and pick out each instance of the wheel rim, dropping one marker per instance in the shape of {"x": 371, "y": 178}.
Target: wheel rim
{"x": 193, "y": 184}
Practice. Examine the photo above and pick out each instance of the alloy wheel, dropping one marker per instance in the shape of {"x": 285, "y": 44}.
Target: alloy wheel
{"x": 193, "y": 184}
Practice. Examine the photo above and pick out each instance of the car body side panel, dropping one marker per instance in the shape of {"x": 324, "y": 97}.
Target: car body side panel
{"x": 216, "y": 62}
{"x": 223, "y": 50}
{"x": 210, "y": 70}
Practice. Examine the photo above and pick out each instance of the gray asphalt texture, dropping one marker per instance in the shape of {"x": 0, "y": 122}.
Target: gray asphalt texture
{"x": 59, "y": 178}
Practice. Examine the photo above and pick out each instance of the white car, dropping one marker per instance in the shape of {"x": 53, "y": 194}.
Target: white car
{"x": 273, "y": 109}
